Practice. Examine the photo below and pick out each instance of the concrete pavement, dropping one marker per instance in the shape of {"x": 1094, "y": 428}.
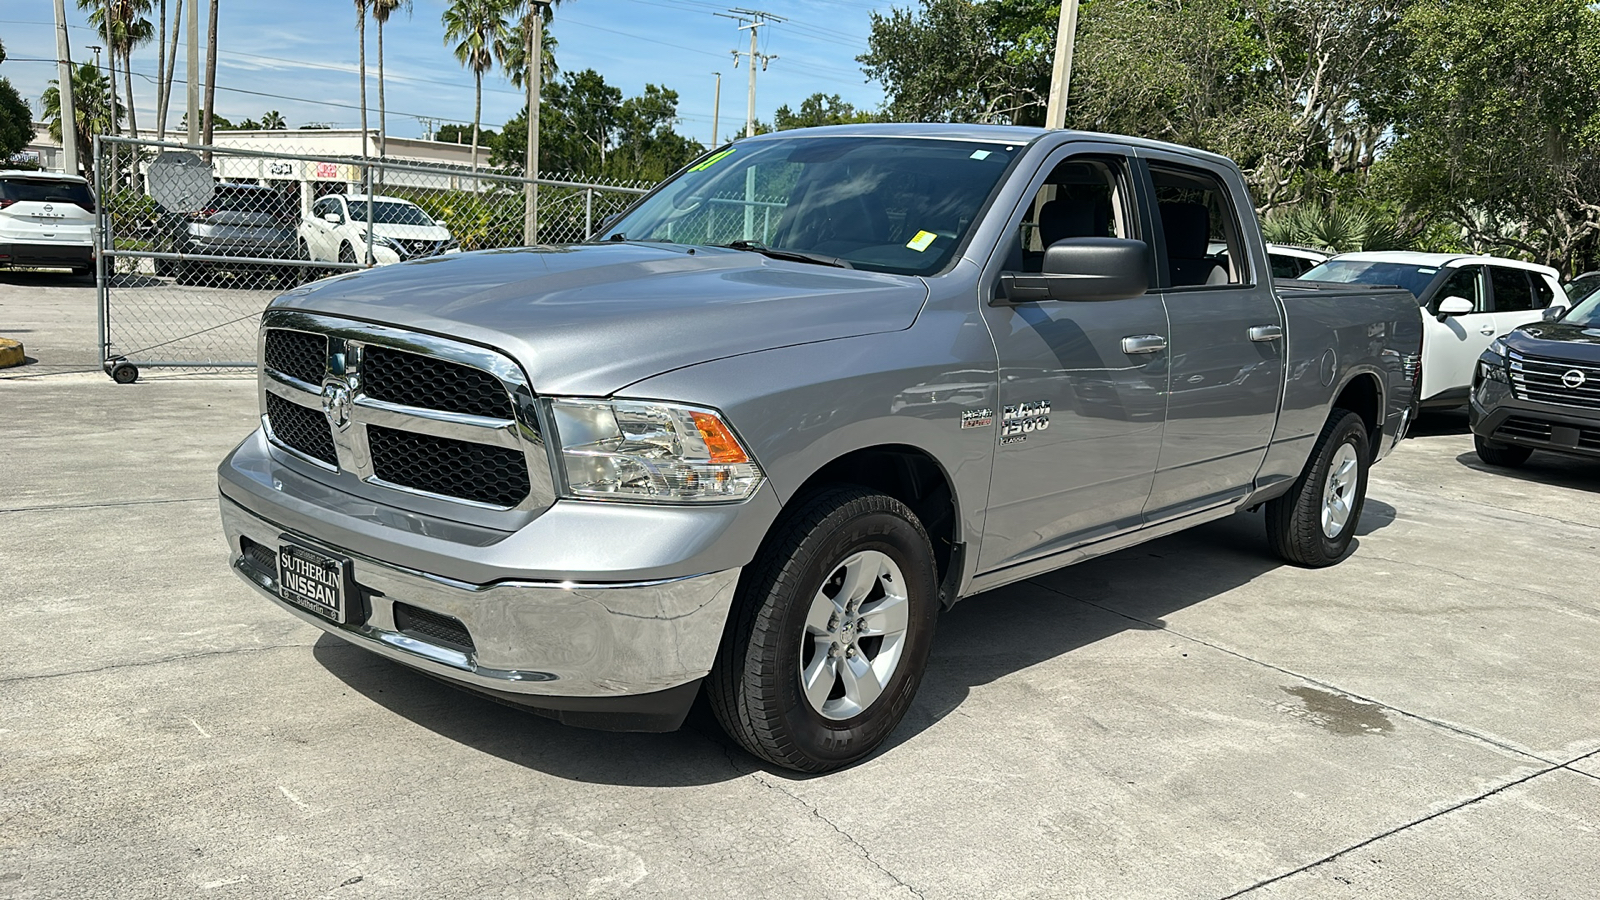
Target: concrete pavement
{"x": 1187, "y": 719}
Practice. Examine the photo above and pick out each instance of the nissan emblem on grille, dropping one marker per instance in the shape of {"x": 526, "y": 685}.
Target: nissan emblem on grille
{"x": 1573, "y": 379}
{"x": 336, "y": 404}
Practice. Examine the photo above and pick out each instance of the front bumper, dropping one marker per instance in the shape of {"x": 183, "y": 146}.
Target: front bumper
{"x": 1496, "y": 414}
{"x": 588, "y": 652}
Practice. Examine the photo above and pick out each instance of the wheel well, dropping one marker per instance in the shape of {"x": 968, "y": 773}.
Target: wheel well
{"x": 908, "y": 475}
{"x": 1363, "y": 397}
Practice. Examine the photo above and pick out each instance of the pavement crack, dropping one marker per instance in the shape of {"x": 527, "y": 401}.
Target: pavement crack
{"x": 16, "y": 679}
{"x": 211, "y": 499}
{"x": 756, "y": 775}
{"x": 1158, "y": 625}
{"x": 1399, "y": 828}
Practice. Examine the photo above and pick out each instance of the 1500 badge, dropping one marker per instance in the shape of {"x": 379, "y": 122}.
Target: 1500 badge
{"x": 1022, "y": 419}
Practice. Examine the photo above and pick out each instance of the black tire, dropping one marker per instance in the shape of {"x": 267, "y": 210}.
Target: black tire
{"x": 1295, "y": 524}
{"x": 755, "y": 686}
{"x": 347, "y": 254}
{"x": 124, "y": 373}
{"x": 186, "y": 273}
{"x": 1504, "y": 455}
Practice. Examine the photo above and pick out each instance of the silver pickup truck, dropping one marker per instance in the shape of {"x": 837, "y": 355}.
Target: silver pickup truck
{"x": 759, "y": 431}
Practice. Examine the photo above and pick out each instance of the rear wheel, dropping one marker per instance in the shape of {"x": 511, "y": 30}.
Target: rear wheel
{"x": 1505, "y": 455}
{"x": 347, "y": 253}
{"x": 830, "y": 632}
{"x": 1312, "y": 525}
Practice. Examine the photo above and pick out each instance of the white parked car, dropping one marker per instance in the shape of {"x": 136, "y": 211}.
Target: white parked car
{"x": 1292, "y": 262}
{"x": 1467, "y": 301}
{"x": 336, "y": 230}
{"x": 46, "y": 219}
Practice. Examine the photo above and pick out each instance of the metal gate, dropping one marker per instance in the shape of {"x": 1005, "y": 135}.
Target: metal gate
{"x": 193, "y": 241}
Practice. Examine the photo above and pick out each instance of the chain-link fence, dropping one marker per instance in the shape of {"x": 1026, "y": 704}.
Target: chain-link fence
{"x": 194, "y": 241}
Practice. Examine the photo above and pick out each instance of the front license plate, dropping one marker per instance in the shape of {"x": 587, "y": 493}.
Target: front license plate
{"x": 312, "y": 580}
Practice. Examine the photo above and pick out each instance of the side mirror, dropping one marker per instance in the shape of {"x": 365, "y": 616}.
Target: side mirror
{"x": 1555, "y": 313}
{"x": 1454, "y": 306}
{"x": 1084, "y": 270}
{"x": 331, "y": 217}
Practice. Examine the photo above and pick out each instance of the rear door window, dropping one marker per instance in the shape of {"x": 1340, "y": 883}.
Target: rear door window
{"x": 1512, "y": 292}
{"x": 43, "y": 190}
{"x": 1202, "y": 231}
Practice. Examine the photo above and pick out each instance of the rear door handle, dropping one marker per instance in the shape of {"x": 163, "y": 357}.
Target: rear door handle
{"x": 1265, "y": 332}
{"x": 1144, "y": 343}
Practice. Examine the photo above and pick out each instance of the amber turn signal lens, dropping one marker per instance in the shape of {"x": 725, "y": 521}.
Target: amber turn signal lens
{"x": 719, "y": 440}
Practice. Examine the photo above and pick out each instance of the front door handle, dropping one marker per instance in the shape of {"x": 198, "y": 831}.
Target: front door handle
{"x": 1144, "y": 343}
{"x": 1265, "y": 332}
{"x": 1487, "y": 329}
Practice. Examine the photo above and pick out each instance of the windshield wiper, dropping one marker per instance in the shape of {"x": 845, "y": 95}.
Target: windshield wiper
{"x": 791, "y": 255}
{"x": 619, "y": 237}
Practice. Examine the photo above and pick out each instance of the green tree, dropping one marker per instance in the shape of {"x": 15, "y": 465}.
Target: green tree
{"x": 462, "y": 134}
{"x": 123, "y": 25}
{"x": 480, "y": 31}
{"x": 273, "y": 120}
{"x": 1500, "y": 133}
{"x": 578, "y": 123}
{"x": 16, "y": 118}
{"x": 819, "y": 109}
{"x": 964, "y": 60}
{"x": 91, "y": 105}
{"x": 588, "y": 130}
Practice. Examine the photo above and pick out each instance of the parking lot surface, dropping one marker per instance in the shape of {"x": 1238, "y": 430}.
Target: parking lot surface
{"x": 1186, "y": 719}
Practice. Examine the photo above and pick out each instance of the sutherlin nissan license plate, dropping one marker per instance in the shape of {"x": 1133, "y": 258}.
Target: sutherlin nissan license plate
{"x": 312, "y": 580}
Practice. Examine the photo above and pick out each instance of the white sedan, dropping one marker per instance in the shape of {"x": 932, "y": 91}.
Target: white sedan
{"x": 336, "y": 230}
{"x": 1467, "y": 301}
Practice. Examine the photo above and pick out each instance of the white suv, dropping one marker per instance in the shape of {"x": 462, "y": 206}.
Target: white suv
{"x": 46, "y": 219}
{"x": 336, "y": 230}
{"x": 1467, "y": 301}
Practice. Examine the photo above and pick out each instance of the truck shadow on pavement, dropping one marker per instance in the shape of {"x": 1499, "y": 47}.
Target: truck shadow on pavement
{"x": 1550, "y": 469}
{"x": 983, "y": 639}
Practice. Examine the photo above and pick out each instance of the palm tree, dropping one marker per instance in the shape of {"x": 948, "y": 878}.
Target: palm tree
{"x": 524, "y": 73}
{"x": 381, "y": 10}
{"x": 124, "y": 26}
{"x": 273, "y": 121}
{"x": 361, "y": 39}
{"x": 92, "y": 107}
{"x": 479, "y": 28}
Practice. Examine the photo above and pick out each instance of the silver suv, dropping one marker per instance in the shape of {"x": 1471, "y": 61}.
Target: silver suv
{"x": 243, "y": 228}
{"x": 46, "y": 219}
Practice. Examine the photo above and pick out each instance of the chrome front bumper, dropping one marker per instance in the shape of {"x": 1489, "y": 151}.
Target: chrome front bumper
{"x": 530, "y": 638}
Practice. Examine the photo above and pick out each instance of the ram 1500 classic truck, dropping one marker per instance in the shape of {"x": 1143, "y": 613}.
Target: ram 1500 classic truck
{"x": 753, "y": 436}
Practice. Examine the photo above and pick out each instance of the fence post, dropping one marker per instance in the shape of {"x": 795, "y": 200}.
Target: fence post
{"x": 102, "y": 233}
{"x": 366, "y": 178}
{"x": 588, "y": 213}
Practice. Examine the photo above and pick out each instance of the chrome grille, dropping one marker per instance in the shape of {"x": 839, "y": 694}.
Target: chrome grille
{"x": 1549, "y": 381}
{"x": 400, "y": 377}
{"x": 302, "y": 429}
{"x": 297, "y": 354}
{"x": 493, "y": 475}
{"x": 404, "y": 418}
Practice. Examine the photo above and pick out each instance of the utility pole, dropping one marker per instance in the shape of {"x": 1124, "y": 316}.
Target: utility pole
{"x": 1061, "y": 74}
{"x": 533, "y": 52}
{"x": 211, "y": 80}
{"x": 191, "y": 71}
{"x": 716, "y": 110}
{"x": 69, "y": 113}
{"x": 751, "y": 19}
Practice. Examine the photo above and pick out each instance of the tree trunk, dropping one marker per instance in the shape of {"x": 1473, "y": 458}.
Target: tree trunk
{"x": 477, "y": 113}
{"x": 211, "y": 74}
{"x": 161, "y": 71}
{"x": 361, "y": 38}
{"x": 133, "y": 120}
{"x": 534, "y": 55}
{"x": 172, "y": 71}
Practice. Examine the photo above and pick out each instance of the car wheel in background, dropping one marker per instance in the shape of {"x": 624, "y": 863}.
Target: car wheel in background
{"x": 1500, "y": 454}
{"x": 347, "y": 253}
{"x": 1312, "y": 525}
{"x": 830, "y": 632}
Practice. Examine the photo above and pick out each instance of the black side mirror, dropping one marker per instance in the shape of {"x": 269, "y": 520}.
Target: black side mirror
{"x": 1084, "y": 270}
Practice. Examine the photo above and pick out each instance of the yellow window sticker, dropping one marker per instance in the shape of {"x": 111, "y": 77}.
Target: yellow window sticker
{"x": 713, "y": 160}
{"x": 922, "y": 241}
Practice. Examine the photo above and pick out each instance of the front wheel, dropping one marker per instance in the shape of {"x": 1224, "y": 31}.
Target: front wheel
{"x": 830, "y": 632}
{"x": 1312, "y": 525}
{"x": 1504, "y": 455}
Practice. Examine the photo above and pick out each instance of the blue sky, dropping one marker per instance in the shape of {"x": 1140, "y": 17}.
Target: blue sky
{"x": 301, "y": 54}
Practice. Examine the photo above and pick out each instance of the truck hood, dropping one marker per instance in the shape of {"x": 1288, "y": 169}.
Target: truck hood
{"x": 591, "y": 319}
{"x": 1558, "y": 341}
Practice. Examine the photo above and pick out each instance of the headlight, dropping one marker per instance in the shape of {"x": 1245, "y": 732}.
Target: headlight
{"x": 654, "y": 452}
{"x": 1498, "y": 348}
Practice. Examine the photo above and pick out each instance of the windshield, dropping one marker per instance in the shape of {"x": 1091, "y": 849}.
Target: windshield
{"x": 390, "y": 212}
{"x": 1582, "y": 287}
{"x": 1412, "y": 277}
{"x": 1585, "y": 314}
{"x": 885, "y": 204}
